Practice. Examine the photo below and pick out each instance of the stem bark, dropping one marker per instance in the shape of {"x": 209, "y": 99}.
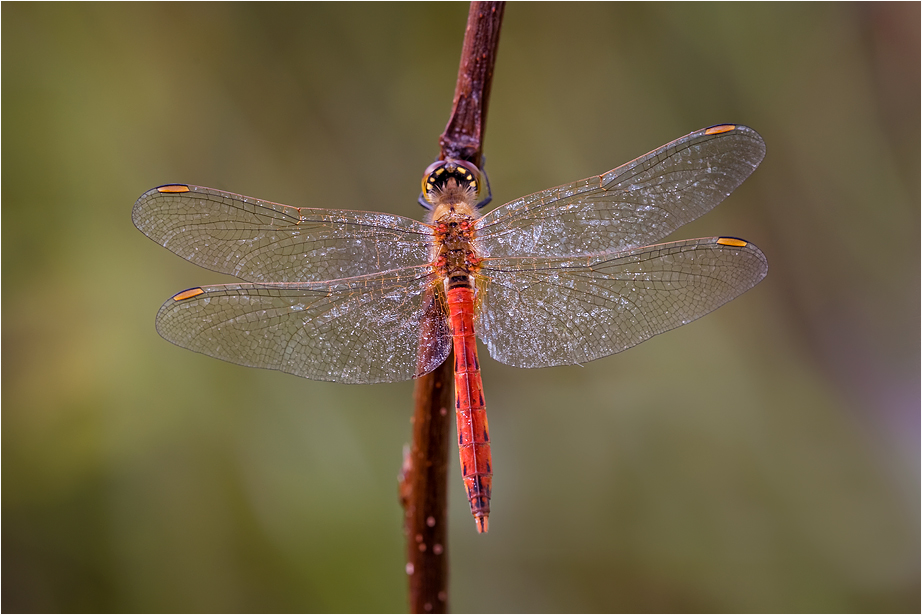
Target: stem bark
{"x": 424, "y": 482}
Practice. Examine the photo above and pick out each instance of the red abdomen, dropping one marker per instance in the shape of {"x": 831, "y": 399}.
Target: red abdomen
{"x": 473, "y": 431}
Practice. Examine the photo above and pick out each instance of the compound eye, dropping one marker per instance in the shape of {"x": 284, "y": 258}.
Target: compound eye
{"x": 472, "y": 175}
{"x": 467, "y": 166}
{"x": 431, "y": 175}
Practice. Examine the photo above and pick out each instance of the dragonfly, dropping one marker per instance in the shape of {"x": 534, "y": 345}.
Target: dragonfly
{"x": 560, "y": 277}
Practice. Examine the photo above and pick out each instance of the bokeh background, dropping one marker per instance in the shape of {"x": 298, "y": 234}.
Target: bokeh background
{"x": 764, "y": 458}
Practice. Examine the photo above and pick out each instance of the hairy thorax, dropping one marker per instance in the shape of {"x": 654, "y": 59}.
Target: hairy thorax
{"x": 455, "y": 251}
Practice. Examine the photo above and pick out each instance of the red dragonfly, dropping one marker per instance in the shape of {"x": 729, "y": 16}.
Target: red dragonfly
{"x": 559, "y": 277}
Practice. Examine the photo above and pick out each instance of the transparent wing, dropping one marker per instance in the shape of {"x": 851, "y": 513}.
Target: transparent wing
{"x": 259, "y": 241}
{"x": 638, "y": 203}
{"x": 539, "y": 312}
{"x": 361, "y": 330}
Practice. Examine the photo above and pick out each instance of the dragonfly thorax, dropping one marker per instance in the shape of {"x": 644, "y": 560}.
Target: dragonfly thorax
{"x": 457, "y": 256}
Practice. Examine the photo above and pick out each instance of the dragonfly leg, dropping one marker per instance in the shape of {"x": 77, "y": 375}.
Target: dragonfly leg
{"x": 486, "y": 200}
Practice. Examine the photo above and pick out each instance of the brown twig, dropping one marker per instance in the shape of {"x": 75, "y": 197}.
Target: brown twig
{"x": 424, "y": 485}
{"x": 463, "y": 136}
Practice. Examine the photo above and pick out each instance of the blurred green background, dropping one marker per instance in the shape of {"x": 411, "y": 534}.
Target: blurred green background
{"x": 764, "y": 458}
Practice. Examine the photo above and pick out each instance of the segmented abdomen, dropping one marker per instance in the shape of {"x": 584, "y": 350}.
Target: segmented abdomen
{"x": 473, "y": 431}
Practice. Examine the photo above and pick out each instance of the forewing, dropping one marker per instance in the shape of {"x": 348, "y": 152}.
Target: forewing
{"x": 638, "y": 203}
{"x": 380, "y": 328}
{"x": 544, "y": 312}
{"x": 265, "y": 242}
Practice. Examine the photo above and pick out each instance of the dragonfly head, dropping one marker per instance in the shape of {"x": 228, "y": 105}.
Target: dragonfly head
{"x": 451, "y": 181}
